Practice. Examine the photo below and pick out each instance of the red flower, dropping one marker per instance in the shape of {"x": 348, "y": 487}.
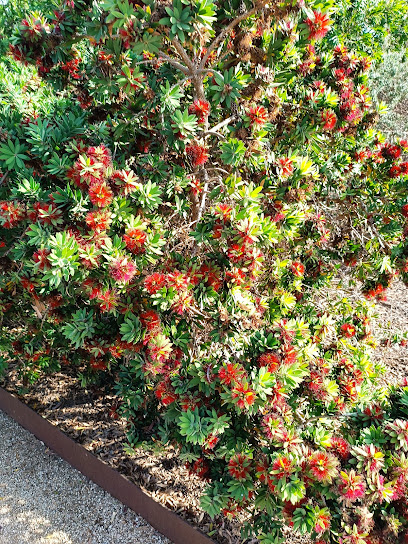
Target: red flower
{"x": 348, "y": 330}
{"x": 351, "y": 487}
{"x": 150, "y": 320}
{"x": 319, "y": 25}
{"x": 394, "y": 171}
{"x": 243, "y": 395}
{"x": 155, "y": 282}
{"x": 239, "y": 466}
{"x": 322, "y": 521}
{"x": 125, "y": 182}
{"x": 258, "y": 115}
{"x": 11, "y": 213}
{"x": 200, "y": 108}
{"x": 135, "y": 240}
{"x": 389, "y": 151}
{"x": 270, "y": 360}
{"x": 165, "y": 393}
{"x": 200, "y": 467}
{"x": 323, "y": 466}
{"x": 404, "y": 168}
{"x": 122, "y": 269}
{"x": 285, "y": 167}
{"x": 340, "y": 447}
{"x": 108, "y": 300}
{"x": 404, "y": 210}
{"x": 97, "y": 364}
{"x": 282, "y": 467}
{"x": 98, "y": 220}
{"x": 231, "y": 373}
{"x": 41, "y": 258}
{"x": 100, "y": 194}
{"x": 328, "y": 119}
{"x": 297, "y": 269}
{"x": 197, "y": 154}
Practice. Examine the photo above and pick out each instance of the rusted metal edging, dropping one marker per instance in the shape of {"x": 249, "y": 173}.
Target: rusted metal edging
{"x": 162, "y": 519}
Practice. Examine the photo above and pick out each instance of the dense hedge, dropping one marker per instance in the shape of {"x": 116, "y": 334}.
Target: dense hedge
{"x": 187, "y": 181}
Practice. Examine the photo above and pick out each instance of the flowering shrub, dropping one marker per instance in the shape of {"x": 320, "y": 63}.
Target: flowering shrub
{"x": 170, "y": 231}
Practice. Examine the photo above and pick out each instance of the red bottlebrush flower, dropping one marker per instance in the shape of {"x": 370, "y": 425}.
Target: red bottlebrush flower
{"x": 389, "y": 151}
{"x": 72, "y": 68}
{"x": 319, "y": 25}
{"x": 159, "y": 348}
{"x": 262, "y": 470}
{"x": 270, "y": 360}
{"x": 404, "y": 210}
{"x": 223, "y": 212}
{"x": 135, "y": 240}
{"x": 235, "y": 276}
{"x": 323, "y": 466}
{"x": 48, "y": 214}
{"x": 398, "y": 432}
{"x": 97, "y": 364}
{"x": 122, "y": 269}
{"x": 285, "y": 167}
{"x": 200, "y": 467}
{"x": 230, "y": 373}
{"x": 282, "y": 467}
{"x": 197, "y": 154}
{"x": 328, "y": 119}
{"x": 243, "y": 395}
{"x": 394, "y": 171}
{"x": 101, "y": 154}
{"x": 165, "y": 392}
{"x": 273, "y": 426}
{"x": 351, "y": 487}
{"x": 239, "y": 466}
{"x": 322, "y": 521}
{"x": 217, "y": 231}
{"x": 211, "y": 441}
{"x": 375, "y": 412}
{"x": 200, "y": 108}
{"x": 125, "y": 182}
{"x": 98, "y": 220}
{"x": 155, "y": 282}
{"x": 297, "y": 269}
{"x": 17, "y": 54}
{"x": 178, "y": 280}
{"x": 108, "y": 300}
{"x": 41, "y": 258}
{"x": 258, "y": 115}
{"x": 150, "y": 320}
{"x": 404, "y": 168}
{"x": 11, "y": 213}
{"x": 27, "y": 284}
{"x": 340, "y": 447}
{"x": 348, "y": 330}
{"x": 100, "y": 194}
{"x": 210, "y": 276}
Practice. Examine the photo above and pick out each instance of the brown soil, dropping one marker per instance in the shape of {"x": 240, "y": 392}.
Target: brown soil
{"x": 84, "y": 415}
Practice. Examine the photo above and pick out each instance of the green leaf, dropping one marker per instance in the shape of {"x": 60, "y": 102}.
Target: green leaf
{"x": 131, "y": 329}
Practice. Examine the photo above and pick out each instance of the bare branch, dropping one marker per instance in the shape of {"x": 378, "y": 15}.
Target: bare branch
{"x": 174, "y": 63}
{"x": 184, "y": 55}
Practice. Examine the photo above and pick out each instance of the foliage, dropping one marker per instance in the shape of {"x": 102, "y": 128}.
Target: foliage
{"x": 371, "y": 27}
{"x": 190, "y": 178}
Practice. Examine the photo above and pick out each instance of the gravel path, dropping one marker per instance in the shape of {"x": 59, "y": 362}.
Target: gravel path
{"x": 43, "y": 500}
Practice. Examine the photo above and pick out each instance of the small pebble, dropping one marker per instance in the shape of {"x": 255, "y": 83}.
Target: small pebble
{"x": 46, "y": 501}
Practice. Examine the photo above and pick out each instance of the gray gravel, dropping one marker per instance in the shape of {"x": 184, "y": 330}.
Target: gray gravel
{"x": 43, "y": 500}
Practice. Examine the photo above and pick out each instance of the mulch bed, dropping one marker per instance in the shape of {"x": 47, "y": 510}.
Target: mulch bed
{"x": 85, "y": 415}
